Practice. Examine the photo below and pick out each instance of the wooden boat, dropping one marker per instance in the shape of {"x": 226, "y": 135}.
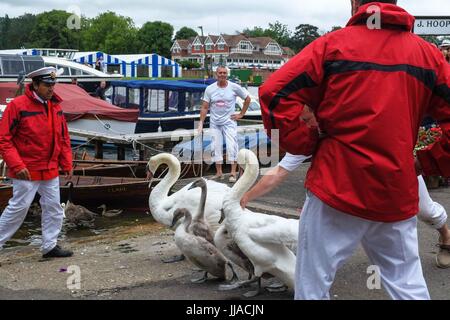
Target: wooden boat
{"x": 6, "y": 193}
{"x": 92, "y": 192}
{"x": 132, "y": 169}
{"x": 116, "y": 193}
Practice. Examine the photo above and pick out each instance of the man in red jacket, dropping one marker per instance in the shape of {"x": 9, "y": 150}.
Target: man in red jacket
{"x": 35, "y": 143}
{"x": 370, "y": 85}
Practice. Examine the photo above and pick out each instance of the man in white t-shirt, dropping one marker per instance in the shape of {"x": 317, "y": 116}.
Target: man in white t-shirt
{"x": 220, "y": 99}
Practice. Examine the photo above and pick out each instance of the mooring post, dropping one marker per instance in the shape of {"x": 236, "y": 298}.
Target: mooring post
{"x": 120, "y": 152}
{"x": 142, "y": 154}
{"x": 98, "y": 149}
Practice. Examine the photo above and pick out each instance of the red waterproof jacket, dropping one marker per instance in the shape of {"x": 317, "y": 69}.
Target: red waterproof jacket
{"x": 28, "y": 141}
{"x": 369, "y": 90}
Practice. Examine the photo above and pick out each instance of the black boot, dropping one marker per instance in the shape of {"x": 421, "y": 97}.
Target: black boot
{"x": 58, "y": 252}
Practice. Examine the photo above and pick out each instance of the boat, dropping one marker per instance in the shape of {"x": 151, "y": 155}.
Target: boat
{"x": 116, "y": 193}
{"x": 11, "y": 65}
{"x": 91, "y": 192}
{"x": 167, "y": 105}
{"x": 83, "y": 111}
{"x": 163, "y": 105}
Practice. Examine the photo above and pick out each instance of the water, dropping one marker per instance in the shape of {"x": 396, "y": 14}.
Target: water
{"x": 30, "y": 232}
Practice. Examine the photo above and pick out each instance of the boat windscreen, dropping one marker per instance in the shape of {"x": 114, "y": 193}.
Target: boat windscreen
{"x": 12, "y": 65}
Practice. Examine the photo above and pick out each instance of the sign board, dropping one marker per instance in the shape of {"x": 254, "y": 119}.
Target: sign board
{"x": 436, "y": 26}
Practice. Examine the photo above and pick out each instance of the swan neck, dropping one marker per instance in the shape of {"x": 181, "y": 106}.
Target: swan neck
{"x": 201, "y": 207}
{"x": 245, "y": 182}
{"x": 161, "y": 190}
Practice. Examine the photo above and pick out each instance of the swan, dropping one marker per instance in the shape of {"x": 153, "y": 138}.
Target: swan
{"x": 200, "y": 251}
{"x": 225, "y": 243}
{"x": 195, "y": 240}
{"x": 162, "y": 206}
{"x": 199, "y": 226}
{"x": 263, "y": 238}
{"x": 110, "y": 213}
{"x": 76, "y": 214}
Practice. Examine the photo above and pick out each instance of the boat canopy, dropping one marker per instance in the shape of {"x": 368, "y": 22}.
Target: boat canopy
{"x": 161, "y": 85}
{"x": 77, "y": 103}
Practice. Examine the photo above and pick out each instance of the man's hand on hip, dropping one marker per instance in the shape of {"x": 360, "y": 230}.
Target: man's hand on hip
{"x": 24, "y": 174}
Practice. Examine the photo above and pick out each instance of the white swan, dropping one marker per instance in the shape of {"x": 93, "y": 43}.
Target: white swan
{"x": 225, "y": 243}
{"x": 263, "y": 238}
{"x": 195, "y": 240}
{"x": 162, "y": 206}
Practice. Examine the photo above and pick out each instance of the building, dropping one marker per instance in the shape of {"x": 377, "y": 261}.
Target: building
{"x": 236, "y": 51}
{"x": 132, "y": 66}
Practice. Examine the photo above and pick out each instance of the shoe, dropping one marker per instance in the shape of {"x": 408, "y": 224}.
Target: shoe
{"x": 443, "y": 256}
{"x": 58, "y": 252}
{"x": 232, "y": 179}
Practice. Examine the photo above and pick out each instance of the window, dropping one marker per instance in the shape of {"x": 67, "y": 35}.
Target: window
{"x": 12, "y": 65}
{"x": 209, "y": 47}
{"x": 120, "y": 94}
{"x": 221, "y": 46}
{"x": 143, "y": 71}
{"x": 75, "y": 72}
{"x": 197, "y": 47}
{"x": 245, "y": 45}
{"x": 160, "y": 101}
{"x": 133, "y": 98}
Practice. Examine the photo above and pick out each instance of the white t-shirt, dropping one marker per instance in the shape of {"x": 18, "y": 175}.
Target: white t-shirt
{"x": 222, "y": 101}
{"x": 290, "y": 162}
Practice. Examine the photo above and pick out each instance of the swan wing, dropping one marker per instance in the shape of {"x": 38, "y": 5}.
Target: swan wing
{"x": 278, "y": 232}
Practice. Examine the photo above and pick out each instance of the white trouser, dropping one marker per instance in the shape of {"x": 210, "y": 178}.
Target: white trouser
{"x": 328, "y": 237}
{"x": 17, "y": 209}
{"x": 430, "y": 212}
{"x": 229, "y": 131}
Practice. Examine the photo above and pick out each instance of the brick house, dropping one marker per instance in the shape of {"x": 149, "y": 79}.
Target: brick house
{"x": 236, "y": 51}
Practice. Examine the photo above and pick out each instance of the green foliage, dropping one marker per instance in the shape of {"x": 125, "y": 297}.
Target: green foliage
{"x": 190, "y": 64}
{"x": 185, "y": 33}
{"x": 255, "y": 32}
{"x": 304, "y": 35}
{"x": 15, "y": 33}
{"x": 51, "y": 31}
{"x": 110, "y": 33}
{"x": 156, "y": 37}
{"x": 279, "y": 32}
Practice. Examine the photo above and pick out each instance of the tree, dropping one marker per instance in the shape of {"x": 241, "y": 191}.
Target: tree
{"x": 279, "y": 32}
{"x": 156, "y": 37}
{"x": 185, "y": 64}
{"x": 51, "y": 31}
{"x": 304, "y": 35}
{"x": 5, "y": 24}
{"x": 185, "y": 33}
{"x": 110, "y": 33}
{"x": 335, "y": 28}
{"x": 255, "y": 32}
{"x": 17, "y": 31}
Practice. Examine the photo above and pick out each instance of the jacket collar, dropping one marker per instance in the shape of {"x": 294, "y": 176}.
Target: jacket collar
{"x": 391, "y": 15}
{"x": 29, "y": 93}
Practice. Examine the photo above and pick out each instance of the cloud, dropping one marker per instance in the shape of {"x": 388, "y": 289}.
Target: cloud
{"x": 220, "y": 16}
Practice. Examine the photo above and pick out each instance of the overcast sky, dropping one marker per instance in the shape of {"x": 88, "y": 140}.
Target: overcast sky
{"x": 220, "y": 16}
